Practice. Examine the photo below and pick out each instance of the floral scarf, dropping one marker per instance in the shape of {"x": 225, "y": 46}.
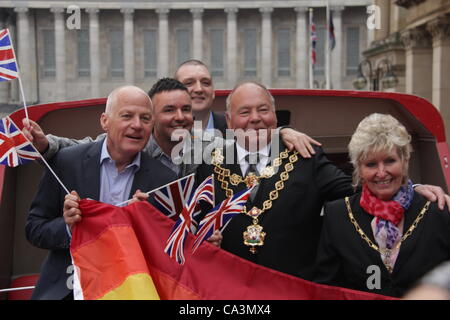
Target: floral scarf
{"x": 388, "y": 215}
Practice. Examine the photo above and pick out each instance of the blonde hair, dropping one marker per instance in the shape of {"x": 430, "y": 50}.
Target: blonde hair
{"x": 379, "y": 133}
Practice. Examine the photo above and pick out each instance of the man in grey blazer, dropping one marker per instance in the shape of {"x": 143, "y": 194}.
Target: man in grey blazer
{"x": 110, "y": 170}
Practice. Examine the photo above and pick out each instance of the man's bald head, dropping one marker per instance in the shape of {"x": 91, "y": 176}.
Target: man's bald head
{"x": 127, "y": 94}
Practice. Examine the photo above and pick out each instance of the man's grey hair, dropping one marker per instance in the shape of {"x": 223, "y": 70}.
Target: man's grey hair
{"x": 271, "y": 98}
{"x": 112, "y": 97}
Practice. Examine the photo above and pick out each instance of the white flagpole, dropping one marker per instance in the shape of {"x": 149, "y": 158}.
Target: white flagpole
{"x": 311, "y": 70}
{"x": 23, "y": 96}
{"x": 122, "y": 203}
{"x": 327, "y": 49}
{"x": 50, "y": 168}
{"x": 17, "y": 289}
{"x": 18, "y": 76}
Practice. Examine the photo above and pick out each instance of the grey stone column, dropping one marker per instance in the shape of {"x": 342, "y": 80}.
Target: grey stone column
{"x": 266, "y": 46}
{"x": 25, "y": 54}
{"x": 60, "y": 53}
{"x": 336, "y": 54}
{"x": 232, "y": 69}
{"x": 197, "y": 34}
{"x": 440, "y": 30}
{"x": 128, "y": 49}
{"x": 302, "y": 48}
{"x": 419, "y": 62}
{"x": 94, "y": 51}
{"x": 163, "y": 42}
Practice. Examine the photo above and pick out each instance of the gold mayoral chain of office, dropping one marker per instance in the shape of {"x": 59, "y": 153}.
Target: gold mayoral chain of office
{"x": 254, "y": 236}
{"x": 385, "y": 253}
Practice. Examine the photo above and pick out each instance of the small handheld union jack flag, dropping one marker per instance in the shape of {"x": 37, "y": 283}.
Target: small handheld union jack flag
{"x": 8, "y": 64}
{"x": 220, "y": 215}
{"x": 171, "y": 199}
{"x": 15, "y": 149}
{"x": 175, "y": 243}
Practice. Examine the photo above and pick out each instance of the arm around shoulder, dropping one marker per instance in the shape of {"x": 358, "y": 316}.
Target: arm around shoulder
{"x": 56, "y": 143}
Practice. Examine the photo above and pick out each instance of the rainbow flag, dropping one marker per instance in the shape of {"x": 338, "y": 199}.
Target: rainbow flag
{"x": 118, "y": 253}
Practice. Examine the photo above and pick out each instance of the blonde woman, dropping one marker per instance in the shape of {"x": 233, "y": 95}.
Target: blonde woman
{"x": 386, "y": 237}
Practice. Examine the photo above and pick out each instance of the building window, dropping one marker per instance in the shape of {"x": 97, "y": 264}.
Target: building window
{"x": 250, "y": 52}
{"x": 49, "y": 68}
{"x": 150, "y": 53}
{"x": 353, "y": 52}
{"x": 319, "y": 68}
{"x": 116, "y": 47}
{"x": 83, "y": 57}
{"x": 183, "y": 45}
{"x": 284, "y": 52}
{"x": 217, "y": 50}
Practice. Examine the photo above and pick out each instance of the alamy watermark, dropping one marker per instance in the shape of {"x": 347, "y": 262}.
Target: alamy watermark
{"x": 73, "y": 21}
{"x": 196, "y": 146}
{"x": 374, "y": 279}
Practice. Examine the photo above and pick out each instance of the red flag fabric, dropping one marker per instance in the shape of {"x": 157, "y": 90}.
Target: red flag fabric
{"x": 118, "y": 253}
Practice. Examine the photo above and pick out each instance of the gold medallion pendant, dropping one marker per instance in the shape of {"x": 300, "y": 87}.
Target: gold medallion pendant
{"x": 254, "y": 236}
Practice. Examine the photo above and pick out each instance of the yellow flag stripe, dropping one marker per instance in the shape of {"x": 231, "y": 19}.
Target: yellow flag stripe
{"x": 138, "y": 286}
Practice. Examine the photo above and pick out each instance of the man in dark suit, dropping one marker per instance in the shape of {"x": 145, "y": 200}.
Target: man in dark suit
{"x": 111, "y": 170}
{"x": 220, "y": 122}
{"x": 282, "y": 226}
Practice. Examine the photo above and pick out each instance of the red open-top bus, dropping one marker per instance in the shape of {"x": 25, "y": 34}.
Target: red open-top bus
{"x": 328, "y": 116}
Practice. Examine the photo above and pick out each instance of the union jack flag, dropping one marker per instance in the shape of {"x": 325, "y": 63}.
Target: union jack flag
{"x": 171, "y": 199}
{"x": 313, "y": 43}
{"x": 8, "y": 64}
{"x": 220, "y": 215}
{"x": 331, "y": 33}
{"x": 175, "y": 243}
{"x": 15, "y": 149}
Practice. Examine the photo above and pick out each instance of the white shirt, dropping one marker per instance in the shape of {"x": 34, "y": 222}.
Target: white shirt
{"x": 264, "y": 158}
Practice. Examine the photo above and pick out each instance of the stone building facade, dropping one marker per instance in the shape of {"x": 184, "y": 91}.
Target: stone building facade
{"x": 137, "y": 42}
{"x": 414, "y": 35}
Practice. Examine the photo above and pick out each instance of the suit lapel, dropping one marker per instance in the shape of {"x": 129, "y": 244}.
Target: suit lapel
{"x": 219, "y": 122}
{"x": 234, "y": 167}
{"x": 140, "y": 179}
{"x": 91, "y": 171}
{"x": 409, "y": 244}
